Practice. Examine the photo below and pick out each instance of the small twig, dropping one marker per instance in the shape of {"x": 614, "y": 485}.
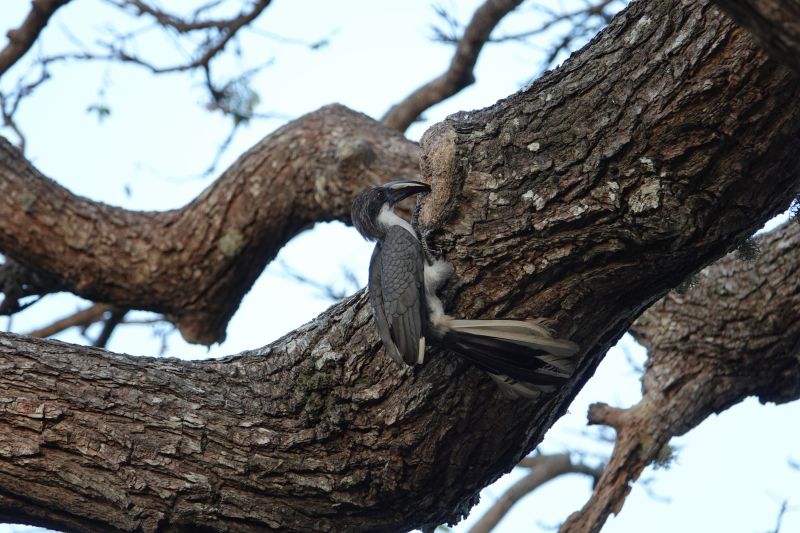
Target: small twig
{"x": 543, "y": 469}
{"x": 781, "y": 513}
{"x": 82, "y": 318}
{"x": 326, "y": 289}
{"x": 114, "y": 319}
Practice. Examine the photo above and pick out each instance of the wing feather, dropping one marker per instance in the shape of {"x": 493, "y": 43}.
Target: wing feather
{"x": 403, "y": 292}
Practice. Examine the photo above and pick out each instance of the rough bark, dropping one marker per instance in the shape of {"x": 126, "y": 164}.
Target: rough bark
{"x": 196, "y": 263}
{"x": 772, "y": 22}
{"x": 583, "y": 198}
{"x": 736, "y": 334}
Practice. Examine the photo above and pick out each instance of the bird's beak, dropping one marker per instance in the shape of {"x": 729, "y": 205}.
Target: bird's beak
{"x": 400, "y": 189}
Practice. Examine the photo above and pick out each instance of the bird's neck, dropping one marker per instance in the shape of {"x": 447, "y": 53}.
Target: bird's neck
{"x": 388, "y": 218}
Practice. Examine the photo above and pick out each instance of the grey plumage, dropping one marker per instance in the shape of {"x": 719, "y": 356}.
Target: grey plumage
{"x": 397, "y": 292}
{"x": 522, "y": 356}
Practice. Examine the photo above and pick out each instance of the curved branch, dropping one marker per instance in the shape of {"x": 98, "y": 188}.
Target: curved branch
{"x": 21, "y": 39}
{"x": 734, "y": 335}
{"x": 459, "y": 74}
{"x": 84, "y": 317}
{"x": 544, "y": 468}
{"x": 772, "y": 22}
{"x": 195, "y": 263}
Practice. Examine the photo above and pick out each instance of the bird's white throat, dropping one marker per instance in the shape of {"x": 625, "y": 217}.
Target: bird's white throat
{"x": 389, "y": 218}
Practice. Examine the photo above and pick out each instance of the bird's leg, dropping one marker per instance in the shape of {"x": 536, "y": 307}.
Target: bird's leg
{"x": 431, "y": 255}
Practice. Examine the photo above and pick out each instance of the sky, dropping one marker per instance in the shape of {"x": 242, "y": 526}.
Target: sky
{"x": 731, "y": 473}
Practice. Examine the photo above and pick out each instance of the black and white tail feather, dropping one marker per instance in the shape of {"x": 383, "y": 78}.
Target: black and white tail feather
{"x": 522, "y": 356}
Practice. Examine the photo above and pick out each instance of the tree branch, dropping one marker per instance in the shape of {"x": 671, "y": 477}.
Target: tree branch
{"x": 733, "y": 336}
{"x": 459, "y": 74}
{"x": 115, "y": 316}
{"x": 84, "y": 317}
{"x": 772, "y": 23}
{"x": 195, "y": 264}
{"x": 543, "y": 469}
{"x": 21, "y": 39}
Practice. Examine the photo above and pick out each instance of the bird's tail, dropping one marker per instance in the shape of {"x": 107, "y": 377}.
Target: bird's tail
{"x": 522, "y": 356}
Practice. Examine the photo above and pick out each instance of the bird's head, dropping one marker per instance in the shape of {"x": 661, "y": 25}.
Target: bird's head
{"x": 367, "y": 206}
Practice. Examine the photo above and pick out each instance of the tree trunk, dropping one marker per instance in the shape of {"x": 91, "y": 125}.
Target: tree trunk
{"x": 582, "y": 198}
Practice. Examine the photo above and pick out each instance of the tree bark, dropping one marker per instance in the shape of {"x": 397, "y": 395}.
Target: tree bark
{"x": 736, "y": 334}
{"x": 772, "y": 22}
{"x": 582, "y": 198}
{"x": 195, "y": 264}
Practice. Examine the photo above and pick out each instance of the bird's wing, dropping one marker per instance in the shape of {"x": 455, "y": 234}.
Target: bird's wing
{"x": 397, "y": 268}
{"x": 376, "y": 301}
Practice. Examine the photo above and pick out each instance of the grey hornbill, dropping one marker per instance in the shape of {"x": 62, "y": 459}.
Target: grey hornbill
{"x": 522, "y": 356}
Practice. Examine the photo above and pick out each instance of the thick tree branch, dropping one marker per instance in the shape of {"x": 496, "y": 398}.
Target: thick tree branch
{"x": 459, "y": 74}
{"x": 654, "y": 150}
{"x": 543, "y": 469}
{"x": 21, "y": 39}
{"x": 195, "y": 263}
{"x": 772, "y": 22}
{"x": 735, "y": 335}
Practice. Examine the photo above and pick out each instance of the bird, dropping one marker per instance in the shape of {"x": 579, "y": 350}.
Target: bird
{"x": 522, "y": 356}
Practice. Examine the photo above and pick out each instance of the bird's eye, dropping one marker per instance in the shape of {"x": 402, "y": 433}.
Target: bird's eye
{"x": 381, "y": 194}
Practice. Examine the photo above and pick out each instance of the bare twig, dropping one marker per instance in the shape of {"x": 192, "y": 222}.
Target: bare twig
{"x": 82, "y": 318}
{"x": 21, "y": 39}
{"x": 781, "y": 513}
{"x": 327, "y": 290}
{"x": 582, "y": 23}
{"x": 459, "y": 74}
{"x": 227, "y": 30}
{"x": 543, "y": 469}
{"x": 115, "y": 316}
{"x": 214, "y": 35}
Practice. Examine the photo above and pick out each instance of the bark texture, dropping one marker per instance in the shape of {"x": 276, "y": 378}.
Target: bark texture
{"x": 196, "y": 263}
{"x": 736, "y": 334}
{"x": 774, "y": 23}
{"x": 582, "y": 198}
